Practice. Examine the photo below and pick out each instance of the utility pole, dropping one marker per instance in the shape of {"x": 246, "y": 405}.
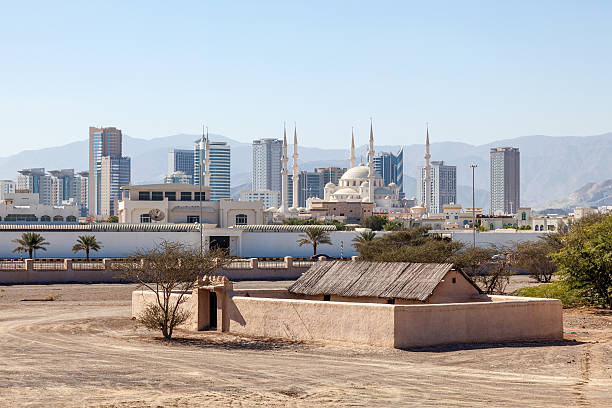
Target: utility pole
{"x": 200, "y": 162}
{"x": 473, "y": 166}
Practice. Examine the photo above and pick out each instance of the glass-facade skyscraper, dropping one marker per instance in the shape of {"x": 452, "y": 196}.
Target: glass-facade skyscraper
{"x": 181, "y": 160}
{"x": 391, "y": 168}
{"x": 102, "y": 142}
{"x": 220, "y": 162}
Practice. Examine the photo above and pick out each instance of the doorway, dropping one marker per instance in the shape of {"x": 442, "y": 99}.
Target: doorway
{"x": 212, "y": 310}
{"x": 219, "y": 242}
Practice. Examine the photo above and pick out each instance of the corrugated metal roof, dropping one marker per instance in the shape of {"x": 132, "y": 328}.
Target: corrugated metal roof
{"x": 391, "y": 280}
{"x": 101, "y": 227}
{"x": 282, "y": 228}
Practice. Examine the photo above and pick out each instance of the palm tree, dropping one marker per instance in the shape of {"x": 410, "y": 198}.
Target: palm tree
{"x": 30, "y": 242}
{"x": 314, "y": 236}
{"x": 365, "y": 236}
{"x": 87, "y": 243}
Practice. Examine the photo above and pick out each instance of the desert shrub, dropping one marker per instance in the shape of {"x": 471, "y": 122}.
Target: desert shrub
{"x": 555, "y": 290}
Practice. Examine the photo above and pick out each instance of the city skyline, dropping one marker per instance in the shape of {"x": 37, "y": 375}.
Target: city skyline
{"x": 513, "y": 79}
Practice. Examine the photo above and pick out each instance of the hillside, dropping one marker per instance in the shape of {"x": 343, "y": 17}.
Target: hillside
{"x": 550, "y": 166}
{"x": 589, "y": 195}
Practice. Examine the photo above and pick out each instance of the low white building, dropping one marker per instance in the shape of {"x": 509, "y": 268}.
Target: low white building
{"x": 26, "y": 207}
{"x": 180, "y": 203}
{"x": 270, "y": 198}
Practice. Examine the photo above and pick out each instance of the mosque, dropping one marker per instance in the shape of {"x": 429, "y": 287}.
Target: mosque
{"x": 360, "y": 183}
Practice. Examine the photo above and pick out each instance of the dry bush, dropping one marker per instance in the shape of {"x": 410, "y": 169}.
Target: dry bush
{"x": 170, "y": 268}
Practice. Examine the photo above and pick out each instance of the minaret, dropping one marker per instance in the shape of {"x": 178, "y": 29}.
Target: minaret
{"x": 284, "y": 175}
{"x": 371, "y": 166}
{"x": 427, "y": 203}
{"x": 296, "y": 170}
{"x": 207, "y": 159}
{"x": 352, "y": 149}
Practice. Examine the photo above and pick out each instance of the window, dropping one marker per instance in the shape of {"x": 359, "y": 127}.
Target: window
{"x": 241, "y": 219}
{"x": 58, "y": 218}
{"x": 193, "y": 219}
{"x": 523, "y": 216}
{"x": 157, "y": 196}
{"x": 144, "y": 196}
{"x": 454, "y": 280}
{"x": 45, "y": 218}
{"x": 185, "y": 196}
{"x": 537, "y": 228}
{"x": 145, "y": 218}
{"x": 71, "y": 218}
{"x": 197, "y": 196}
{"x": 170, "y": 195}
{"x": 326, "y": 298}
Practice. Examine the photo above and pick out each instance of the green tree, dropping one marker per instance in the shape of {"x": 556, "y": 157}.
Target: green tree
{"x": 585, "y": 262}
{"x": 30, "y": 242}
{"x": 170, "y": 270}
{"x": 393, "y": 226}
{"x": 411, "y": 245}
{"x": 87, "y": 243}
{"x": 535, "y": 257}
{"x": 374, "y": 222}
{"x": 314, "y": 236}
{"x": 365, "y": 236}
{"x": 112, "y": 218}
{"x": 488, "y": 267}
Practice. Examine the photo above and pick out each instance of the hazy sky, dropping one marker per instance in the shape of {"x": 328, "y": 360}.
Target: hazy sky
{"x": 476, "y": 71}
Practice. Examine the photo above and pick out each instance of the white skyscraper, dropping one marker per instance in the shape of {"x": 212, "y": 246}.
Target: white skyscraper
{"x": 267, "y": 164}
{"x": 505, "y": 180}
{"x": 36, "y": 181}
{"x": 442, "y": 185}
{"x": 216, "y": 160}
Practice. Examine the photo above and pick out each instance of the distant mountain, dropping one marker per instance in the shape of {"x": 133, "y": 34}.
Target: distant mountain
{"x": 589, "y": 195}
{"x": 550, "y": 166}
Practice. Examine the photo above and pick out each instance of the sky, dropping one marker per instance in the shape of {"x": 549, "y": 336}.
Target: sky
{"x": 475, "y": 71}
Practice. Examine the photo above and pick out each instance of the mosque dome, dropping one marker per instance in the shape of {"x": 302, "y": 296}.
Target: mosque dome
{"x": 330, "y": 185}
{"x": 365, "y": 184}
{"x": 357, "y": 172}
{"x": 346, "y": 191}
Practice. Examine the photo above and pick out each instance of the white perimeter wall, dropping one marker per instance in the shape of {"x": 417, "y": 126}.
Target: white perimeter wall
{"x": 275, "y": 244}
{"x": 115, "y": 244}
{"x": 486, "y": 239}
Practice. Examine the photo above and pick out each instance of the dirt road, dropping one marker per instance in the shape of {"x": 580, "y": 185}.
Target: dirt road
{"x": 83, "y": 350}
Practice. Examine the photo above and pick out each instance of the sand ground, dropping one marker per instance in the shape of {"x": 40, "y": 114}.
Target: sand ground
{"x": 83, "y": 350}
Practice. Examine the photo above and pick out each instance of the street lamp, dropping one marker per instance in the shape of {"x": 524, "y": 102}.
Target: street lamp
{"x": 473, "y": 167}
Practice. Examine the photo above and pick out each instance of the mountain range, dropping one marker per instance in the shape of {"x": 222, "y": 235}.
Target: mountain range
{"x": 551, "y": 167}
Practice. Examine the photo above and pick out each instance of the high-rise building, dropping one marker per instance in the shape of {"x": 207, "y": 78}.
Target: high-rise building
{"x": 391, "y": 168}
{"x": 63, "y": 186}
{"x": 267, "y": 164}
{"x": 216, "y": 173}
{"x": 331, "y": 174}
{"x": 181, "y": 160}
{"x": 114, "y": 174}
{"x": 310, "y": 185}
{"x": 505, "y": 180}
{"x": 443, "y": 185}
{"x": 102, "y": 142}
{"x": 7, "y": 187}
{"x": 36, "y": 181}
{"x": 81, "y": 187}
